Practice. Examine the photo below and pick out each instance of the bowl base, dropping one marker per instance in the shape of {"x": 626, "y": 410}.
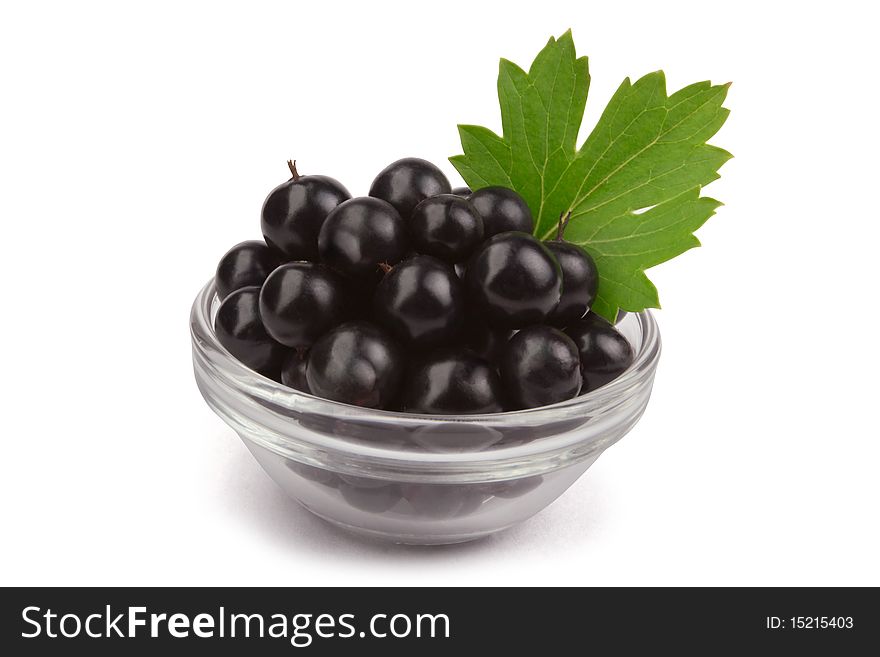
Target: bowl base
{"x": 403, "y": 539}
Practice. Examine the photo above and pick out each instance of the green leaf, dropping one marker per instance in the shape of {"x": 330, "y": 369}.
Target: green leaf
{"x": 625, "y": 245}
{"x": 633, "y": 187}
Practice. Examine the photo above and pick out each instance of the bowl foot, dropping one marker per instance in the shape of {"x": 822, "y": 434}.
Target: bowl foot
{"x": 404, "y": 539}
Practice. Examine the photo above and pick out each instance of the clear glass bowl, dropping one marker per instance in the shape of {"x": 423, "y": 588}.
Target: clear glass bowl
{"x": 420, "y": 479}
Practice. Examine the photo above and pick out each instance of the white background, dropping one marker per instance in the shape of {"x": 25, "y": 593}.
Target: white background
{"x": 138, "y": 143}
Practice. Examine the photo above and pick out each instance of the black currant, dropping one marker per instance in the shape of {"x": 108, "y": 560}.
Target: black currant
{"x": 244, "y": 265}
{"x": 310, "y": 472}
{"x": 376, "y": 432}
{"x": 514, "y": 279}
{"x": 540, "y": 366}
{"x": 485, "y": 341}
{"x": 293, "y": 371}
{"x": 361, "y": 234}
{"x": 604, "y": 352}
{"x": 421, "y": 301}
{"x": 462, "y": 191}
{"x": 438, "y": 500}
{"x": 620, "y": 315}
{"x": 446, "y": 227}
{"x": 356, "y": 363}
{"x": 452, "y": 382}
{"x": 295, "y": 210}
{"x": 239, "y": 328}
{"x": 580, "y": 281}
{"x": 502, "y": 210}
{"x": 372, "y": 499}
{"x": 300, "y": 301}
{"x": 408, "y": 182}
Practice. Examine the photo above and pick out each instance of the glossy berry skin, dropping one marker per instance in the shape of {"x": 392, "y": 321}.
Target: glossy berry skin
{"x": 361, "y": 234}
{"x": 421, "y": 302}
{"x": 604, "y": 352}
{"x": 294, "y": 212}
{"x": 502, "y": 210}
{"x": 293, "y": 371}
{"x": 515, "y": 280}
{"x": 452, "y": 382}
{"x": 239, "y": 328}
{"x": 446, "y": 227}
{"x": 483, "y": 340}
{"x": 300, "y": 301}
{"x": 244, "y": 265}
{"x": 356, "y": 363}
{"x": 580, "y": 281}
{"x": 462, "y": 191}
{"x": 540, "y": 366}
{"x": 408, "y": 182}
{"x": 620, "y": 315}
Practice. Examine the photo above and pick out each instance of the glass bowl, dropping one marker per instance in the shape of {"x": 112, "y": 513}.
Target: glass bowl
{"x": 419, "y": 479}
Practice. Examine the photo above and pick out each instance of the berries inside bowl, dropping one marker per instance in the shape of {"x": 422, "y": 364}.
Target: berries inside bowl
{"x": 415, "y": 364}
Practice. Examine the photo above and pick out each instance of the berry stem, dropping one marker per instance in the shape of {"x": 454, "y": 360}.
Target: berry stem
{"x": 564, "y": 218}
{"x": 385, "y": 267}
{"x": 291, "y": 164}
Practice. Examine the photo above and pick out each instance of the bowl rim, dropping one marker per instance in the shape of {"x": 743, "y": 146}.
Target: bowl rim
{"x": 243, "y": 381}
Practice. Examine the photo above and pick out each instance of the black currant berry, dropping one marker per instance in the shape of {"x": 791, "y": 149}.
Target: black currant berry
{"x": 604, "y": 352}
{"x": 620, "y": 315}
{"x": 421, "y": 301}
{"x": 502, "y": 210}
{"x": 438, "y": 500}
{"x": 485, "y": 341}
{"x": 361, "y": 234}
{"x": 356, "y": 363}
{"x": 514, "y": 279}
{"x": 580, "y": 281}
{"x": 239, "y": 328}
{"x": 311, "y": 473}
{"x": 300, "y": 301}
{"x": 295, "y": 210}
{"x": 376, "y": 498}
{"x": 540, "y": 366}
{"x": 293, "y": 371}
{"x": 244, "y": 265}
{"x": 408, "y": 182}
{"x": 452, "y": 382}
{"x": 446, "y": 227}
{"x": 462, "y": 191}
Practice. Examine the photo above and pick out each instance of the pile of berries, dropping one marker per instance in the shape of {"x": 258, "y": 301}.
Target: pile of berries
{"x": 418, "y": 298}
